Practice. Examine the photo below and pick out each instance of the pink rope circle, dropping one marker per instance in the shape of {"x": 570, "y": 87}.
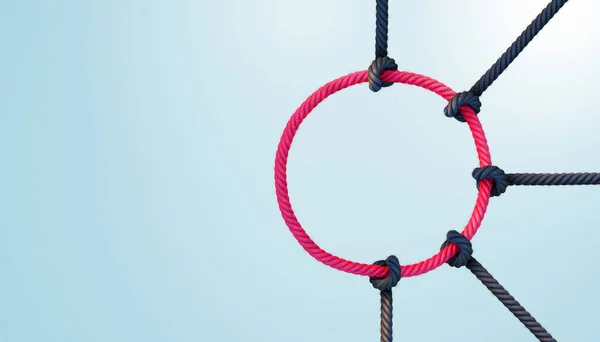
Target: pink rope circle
{"x": 371, "y": 270}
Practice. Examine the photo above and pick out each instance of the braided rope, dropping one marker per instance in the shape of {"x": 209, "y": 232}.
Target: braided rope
{"x": 281, "y": 187}
{"x": 385, "y": 285}
{"x": 491, "y": 180}
{"x": 517, "y": 47}
{"x": 509, "y": 301}
{"x": 382, "y": 62}
{"x": 381, "y": 28}
{"x": 582, "y": 178}
{"x": 464, "y": 257}
{"x": 502, "y": 63}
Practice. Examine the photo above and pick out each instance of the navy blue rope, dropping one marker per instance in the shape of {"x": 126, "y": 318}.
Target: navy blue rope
{"x": 385, "y": 285}
{"x": 464, "y": 258}
{"x": 507, "y": 57}
{"x": 462, "y": 98}
{"x": 517, "y": 47}
{"x": 579, "y": 178}
{"x": 382, "y": 61}
{"x": 502, "y": 180}
{"x": 381, "y": 28}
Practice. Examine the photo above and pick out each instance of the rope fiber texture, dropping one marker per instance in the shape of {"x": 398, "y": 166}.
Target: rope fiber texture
{"x": 491, "y": 180}
{"x": 503, "y": 62}
{"x": 465, "y": 258}
{"x": 385, "y": 285}
{"x": 582, "y": 178}
{"x": 382, "y": 62}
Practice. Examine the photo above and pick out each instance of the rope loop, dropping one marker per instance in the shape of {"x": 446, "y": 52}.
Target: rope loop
{"x": 465, "y": 249}
{"x": 393, "y": 277}
{"x": 492, "y": 172}
{"x": 460, "y": 99}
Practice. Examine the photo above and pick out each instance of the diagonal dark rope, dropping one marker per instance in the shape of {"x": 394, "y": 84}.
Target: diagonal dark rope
{"x": 580, "y": 178}
{"x": 464, "y": 258}
{"x": 517, "y": 47}
{"x": 471, "y": 98}
{"x": 509, "y": 301}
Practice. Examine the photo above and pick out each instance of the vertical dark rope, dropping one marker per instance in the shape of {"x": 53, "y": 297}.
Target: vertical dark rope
{"x": 386, "y": 316}
{"x": 382, "y": 61}
{"x": 385, "y": 285}
{"x": 381, "y": 28}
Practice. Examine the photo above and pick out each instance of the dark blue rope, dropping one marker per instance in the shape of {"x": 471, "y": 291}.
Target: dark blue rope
{"x": 517, "y": 47}
{"x": 463, "y": 98}
{"x": 381, "y": 28}
{"x": 579, "y": 178}
{"x": 502, "y": 180}
{"x": 464, "y": 258}
{"x": 508, "y": 56}
{"x": 382, "y": 61}
{"x": 385, "y": 285}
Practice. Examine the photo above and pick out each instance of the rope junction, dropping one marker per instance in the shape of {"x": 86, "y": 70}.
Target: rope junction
{"x": 491, "y": 180}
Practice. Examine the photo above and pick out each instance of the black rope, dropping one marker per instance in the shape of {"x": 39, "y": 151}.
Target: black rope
{"x": 509, "y": 301}
{"x": 382, "y": 61}
{"x": 381, "y": 28}
{"x": 517, "y": 47}
{"x": 502, "y": 180}
{"x": 385, "y": 285}
{"x": 464, "y": 258}
{"x": 507, "y": 57}
{"x": 580, "y": 178}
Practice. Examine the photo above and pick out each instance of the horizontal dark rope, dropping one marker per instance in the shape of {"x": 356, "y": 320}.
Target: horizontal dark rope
{"x": 581, "y": 178}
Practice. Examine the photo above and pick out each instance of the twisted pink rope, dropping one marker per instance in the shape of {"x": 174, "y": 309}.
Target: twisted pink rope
{"x": 369, "y": 269}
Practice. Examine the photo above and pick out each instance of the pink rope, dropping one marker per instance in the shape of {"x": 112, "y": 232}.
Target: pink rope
{"x": 369, "y": 269}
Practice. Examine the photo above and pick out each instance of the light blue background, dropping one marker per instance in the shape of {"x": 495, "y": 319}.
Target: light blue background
{"x": 138, "y": 138}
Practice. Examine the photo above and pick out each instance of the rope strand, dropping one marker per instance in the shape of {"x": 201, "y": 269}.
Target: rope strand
{"x": 385, "y": 285}
{"x": 491, "y": 180}
{"x": 509, "y": 301}
{"x": 382, "y": 61}
{"x": 578, "y": 178}
{"x": 517, "y": 47}
{"x": 464, "y": 257}
{"x": 471, "y": 98}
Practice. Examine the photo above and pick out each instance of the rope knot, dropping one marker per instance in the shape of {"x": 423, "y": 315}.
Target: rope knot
{"x": 465, "y": 249}
{"x": 460, "y": 99}
{"x": 387, "y": 283}
{"x": 496, "y": 174}
{"x": 380, "y": 64}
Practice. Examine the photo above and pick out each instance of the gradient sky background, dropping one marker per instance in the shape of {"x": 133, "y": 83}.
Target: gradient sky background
{"x": 138, "y": 140}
